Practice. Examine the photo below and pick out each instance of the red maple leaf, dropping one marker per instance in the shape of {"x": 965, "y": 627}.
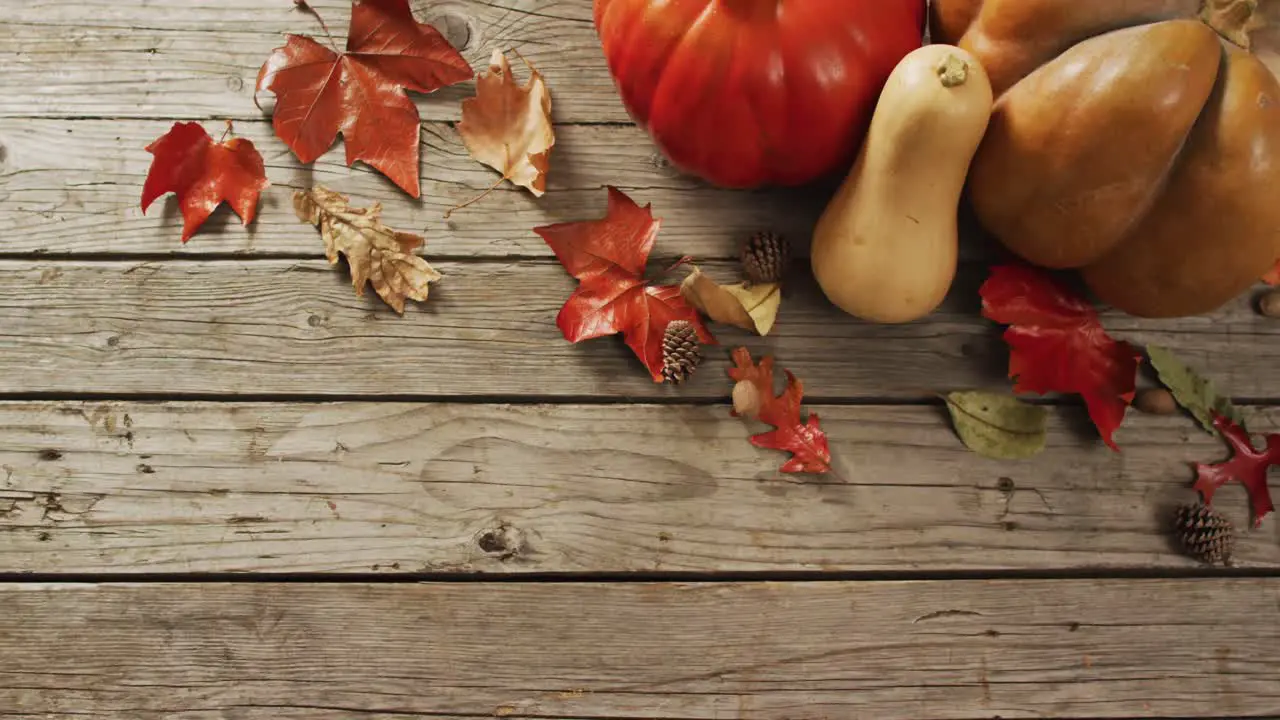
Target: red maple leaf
{"x": 608, "y": 257}
{"x": 361, "y": 92}
{"x": 202, "y": 173}
{"x": 1247, "y": 466}
{"x": 1057, "y": 344}
{"x": 806, "y": 441}
{"x": 1273, "y": 275}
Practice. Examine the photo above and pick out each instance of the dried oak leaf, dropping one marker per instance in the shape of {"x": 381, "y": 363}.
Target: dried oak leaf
{"x": 608, "y": 258}
{"x": 375, "y": 252}
{"x": 1193, "y": 392}
{"x": 361, "y": 92}
{"x": 203, "y": 173}
{"x": 806, "y": 441}
{"x": 1247, "y": 466}
{"x": 753, "y": 308}
{"x": 1057, "y": 344}
{"x": 508, "y": 126}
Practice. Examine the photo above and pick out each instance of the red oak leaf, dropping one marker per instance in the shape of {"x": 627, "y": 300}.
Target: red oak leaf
{"x": 1057, "y": 344}
{"x": 202, "y": 173}
{"x": 608, "y": 257}
{"x": 806, "y": 441}
{"x": 1247, "y": 466}
{"x": 361, "y": 92}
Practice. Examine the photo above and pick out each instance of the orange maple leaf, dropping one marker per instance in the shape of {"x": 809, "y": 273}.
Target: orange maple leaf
{"x": 507, "y": 126}
{"x": 361, "y": 92}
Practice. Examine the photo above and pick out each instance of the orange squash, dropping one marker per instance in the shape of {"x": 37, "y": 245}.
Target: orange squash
{"x": 1135, "y": 140}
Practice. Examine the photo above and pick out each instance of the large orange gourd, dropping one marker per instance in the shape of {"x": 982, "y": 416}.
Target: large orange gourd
{"x": 1136, "y": 140}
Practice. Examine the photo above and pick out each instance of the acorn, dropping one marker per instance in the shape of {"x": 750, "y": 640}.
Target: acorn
{"x": 1156, "y": 401}
{"x": 1269, "y": 303}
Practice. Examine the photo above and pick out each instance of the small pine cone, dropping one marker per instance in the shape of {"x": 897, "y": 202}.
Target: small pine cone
{"x": 765, "y": 257}
{"x": 680, "y": 351}
{"x": 1204, "y": 533}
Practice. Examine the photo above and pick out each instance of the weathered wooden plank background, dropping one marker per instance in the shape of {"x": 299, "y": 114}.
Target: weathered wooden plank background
{"x": 951, "y": 649}
{"x": 179, "y": 416}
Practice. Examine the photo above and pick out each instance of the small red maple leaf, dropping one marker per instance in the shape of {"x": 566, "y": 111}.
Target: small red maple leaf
{"x": 608, "y": 257}
{"x": 202, "y": 173}
{"x": 1273, "y": 275}
{"x": 806, "y": 441}
{"x": 361, "y": 91}
{"x": 1246, "y": 466}
{"x": 1057, "y": 344}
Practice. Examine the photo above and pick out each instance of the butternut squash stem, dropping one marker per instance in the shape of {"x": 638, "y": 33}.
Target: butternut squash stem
{"x": 952, "y": 71}
{"x": 1232, "y": 19}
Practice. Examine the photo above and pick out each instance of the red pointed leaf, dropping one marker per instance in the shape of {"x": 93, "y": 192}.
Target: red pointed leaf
{"x": 202, "y": 173}
{"x": 608, "y": 257}
{"x": 360, "y": 93}
{"x": 1057, "y": 344}
{"x": 806, "y": 441}
{"x": 1273, "y": 275}
{"x": 1246, "y": 466}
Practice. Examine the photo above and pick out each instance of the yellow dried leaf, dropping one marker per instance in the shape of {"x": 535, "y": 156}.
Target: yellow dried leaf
{"x": 753, "y": 308}
{"x": 375, "y": 252}
{"x": 508, "y": 126}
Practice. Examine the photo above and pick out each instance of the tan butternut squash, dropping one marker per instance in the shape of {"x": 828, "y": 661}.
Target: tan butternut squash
{"x": 885, "y": 247}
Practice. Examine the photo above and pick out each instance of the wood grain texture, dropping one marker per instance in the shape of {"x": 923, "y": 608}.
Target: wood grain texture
{"x": 75, "y": 187}
{"x": 412, "y": 488}
{"x": 185, "y": 59}
{"x": 758, "y": 651}
{"x": 297, "y": 327}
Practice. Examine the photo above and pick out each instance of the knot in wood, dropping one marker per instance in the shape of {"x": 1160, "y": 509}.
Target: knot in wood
{"x": 503, "y": 542}
{"x": 452, "y": 23}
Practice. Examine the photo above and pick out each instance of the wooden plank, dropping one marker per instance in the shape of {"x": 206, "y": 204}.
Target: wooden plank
{"x": 945, "y": 650}
{"x": 395, "y": 488}
{"x": 75, "y": 187}
{"x": 185, "y": 59}
{"x": 273, "y": 326}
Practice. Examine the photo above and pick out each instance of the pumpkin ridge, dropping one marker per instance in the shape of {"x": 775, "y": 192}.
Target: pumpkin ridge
{"x": 1176, "y": 159}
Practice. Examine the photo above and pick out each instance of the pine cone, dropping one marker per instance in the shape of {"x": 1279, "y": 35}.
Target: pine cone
{"x": 680, "y": 351}
{"x": 1204, "y": 533}
{"x": 765, "y": 257}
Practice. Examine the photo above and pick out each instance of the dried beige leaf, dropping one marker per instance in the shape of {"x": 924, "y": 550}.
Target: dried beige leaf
{"x": 375, "y": 252}
{"x": 753, "y": 308}
{"x": 507, "y": 126}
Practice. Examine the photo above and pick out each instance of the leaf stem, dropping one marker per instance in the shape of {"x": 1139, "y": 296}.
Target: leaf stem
{"x": 682, "y": 261}
{"x": 305, "y": 6}
{"x": 226, "y": 132}
{"x": 522, "y": 59}
{"x": 475, "y": 199}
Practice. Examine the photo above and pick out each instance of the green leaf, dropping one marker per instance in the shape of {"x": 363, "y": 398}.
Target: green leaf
{"x": 998, "y": 426}
{"x": 1192, "y": 392}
